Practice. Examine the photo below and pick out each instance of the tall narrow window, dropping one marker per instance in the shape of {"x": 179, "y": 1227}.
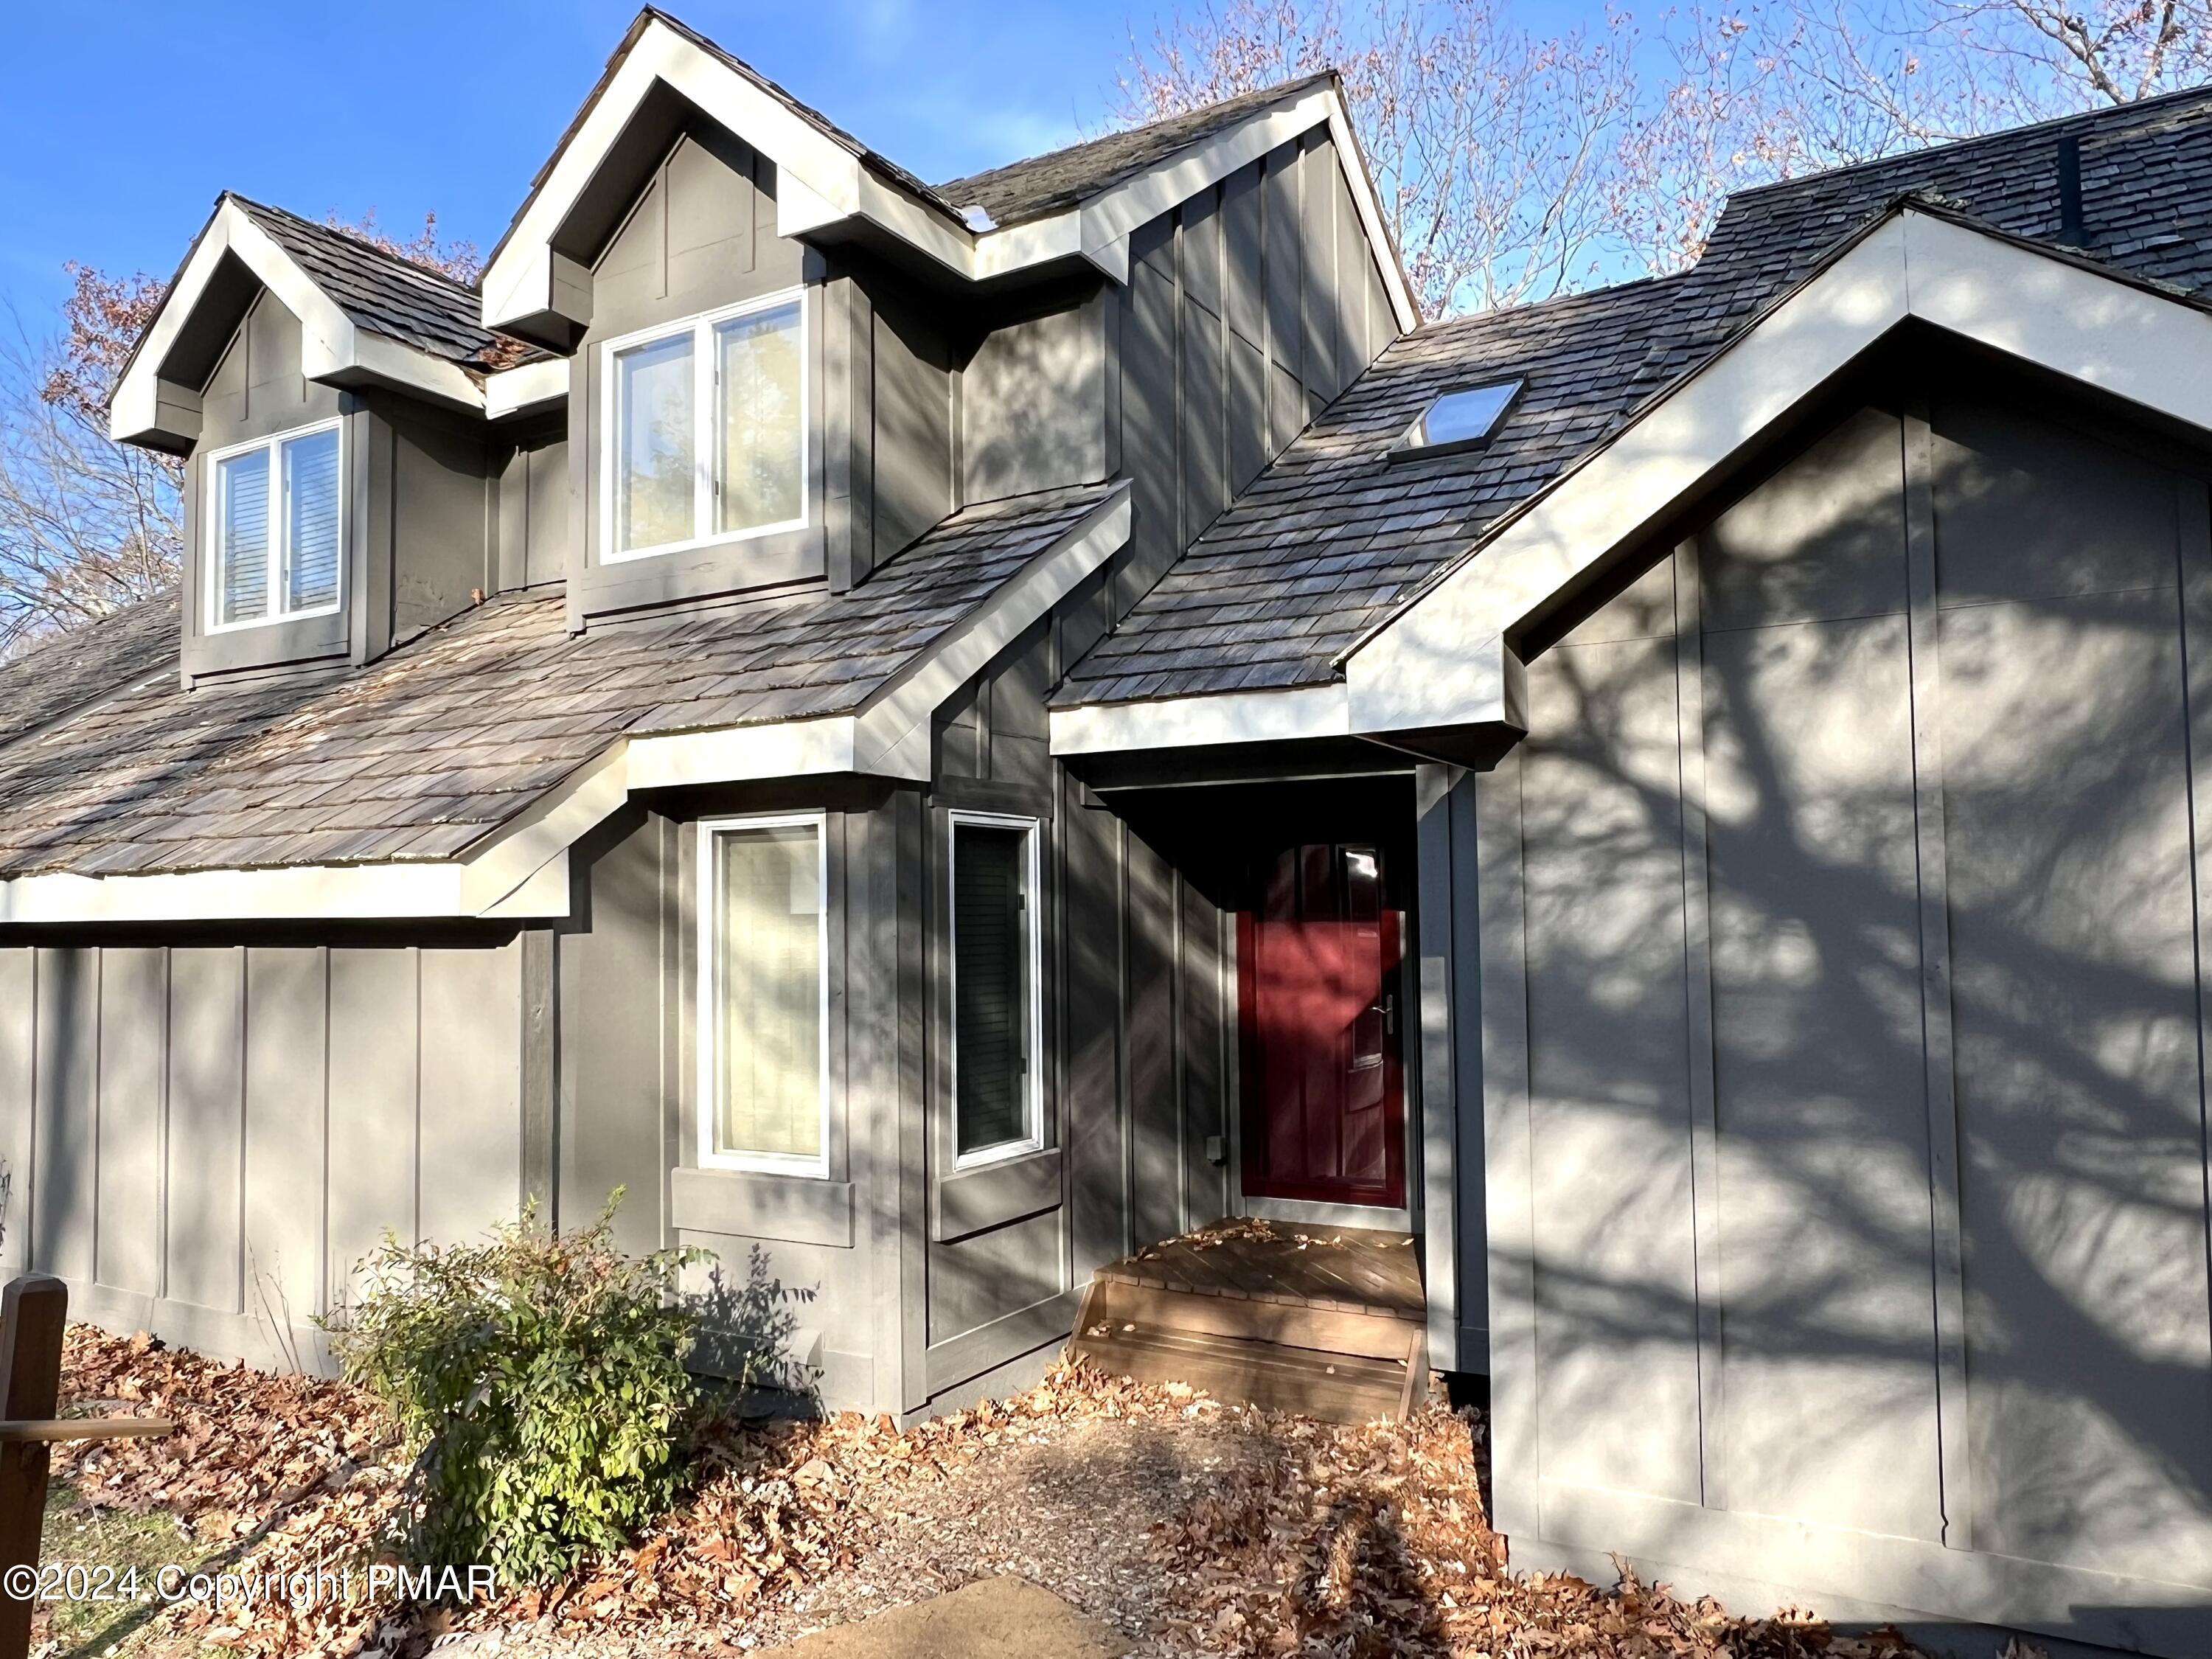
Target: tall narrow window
{"x": 275, "y": 529}
{"x": 997, "y": 1099}
{"x": 763, "y": 1058}
{"x": 707, "y": 430}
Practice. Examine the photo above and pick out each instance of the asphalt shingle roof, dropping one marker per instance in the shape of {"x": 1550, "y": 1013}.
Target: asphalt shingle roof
{"x": 51, "y": 677}
{"x": 1052, "y": 183}
{"x": 420, "y": 755}
{"x": 1333, "y": 535}
{"x": 389, "y": 295}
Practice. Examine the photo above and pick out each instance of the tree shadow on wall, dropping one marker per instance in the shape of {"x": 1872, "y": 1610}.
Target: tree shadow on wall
{"x": 749, "y": 1331}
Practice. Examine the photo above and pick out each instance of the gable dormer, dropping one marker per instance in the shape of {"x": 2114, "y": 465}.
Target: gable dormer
{"x": 789, "y": 357}
{"x": 328, "y": 400}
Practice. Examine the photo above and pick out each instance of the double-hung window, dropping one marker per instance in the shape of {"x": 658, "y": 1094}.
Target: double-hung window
{"x": 275, "y": 533}
{"x": 764, "y": 995}
{"x": 704, "y": 434}
{"x": 997, "y": 1091}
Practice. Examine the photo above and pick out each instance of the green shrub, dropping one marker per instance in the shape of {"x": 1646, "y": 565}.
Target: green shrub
{"x": 543, "y": 1376}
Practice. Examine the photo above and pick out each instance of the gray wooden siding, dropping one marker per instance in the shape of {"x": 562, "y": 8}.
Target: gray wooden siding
{"x": 205, "y": 1140}
{"x": 890, "y": 463}
{"x": 1841, "y": 1043}
{"x": 1248, "y": 310}
{"x": 1033, "y": 404}
{"x": 532, "y": 509}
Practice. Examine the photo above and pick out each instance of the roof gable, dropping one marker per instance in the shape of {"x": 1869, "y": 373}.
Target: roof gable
{"x": 2025, "y": 302}
{"x": 1077, "y": 205}
{"x": 366, "y": 316}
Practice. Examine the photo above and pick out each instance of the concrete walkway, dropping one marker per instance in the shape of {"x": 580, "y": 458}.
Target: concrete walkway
{"x": 990, "y": 1618}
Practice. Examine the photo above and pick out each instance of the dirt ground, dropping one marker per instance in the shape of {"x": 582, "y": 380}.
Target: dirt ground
{"x": 1190, "y": 1528}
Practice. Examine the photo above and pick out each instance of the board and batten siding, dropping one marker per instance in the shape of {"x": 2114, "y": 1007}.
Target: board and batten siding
{"x": 1841, "y": 1009}
{"x": 205, "y": 1140}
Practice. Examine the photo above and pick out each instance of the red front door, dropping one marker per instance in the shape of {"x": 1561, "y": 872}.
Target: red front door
{"x": 1317, "y": 984}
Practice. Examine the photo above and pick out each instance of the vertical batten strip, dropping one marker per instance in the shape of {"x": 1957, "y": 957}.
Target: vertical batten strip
{"x": 1517, "y": 1453}
{"x": 1946, "y": 1232}
{"x": 2193, "y": 522}
{"x": 1704, "y": 1097}
{"x": 1434, "y": 1093}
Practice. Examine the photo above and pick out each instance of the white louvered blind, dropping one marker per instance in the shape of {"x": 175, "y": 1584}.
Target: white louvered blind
{"x": 242, "y": 536}
{"x": 311, "y": 520}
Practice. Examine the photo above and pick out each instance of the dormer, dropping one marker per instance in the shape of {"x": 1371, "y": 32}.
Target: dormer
{"x": 788, "y": 358}
{"x": 328, "y": 399}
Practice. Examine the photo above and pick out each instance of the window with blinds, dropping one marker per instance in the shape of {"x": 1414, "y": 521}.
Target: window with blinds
{"x": 763, "y": 1057}
{"x": 277, "y": 529}
{"x": 996, "y": 1097}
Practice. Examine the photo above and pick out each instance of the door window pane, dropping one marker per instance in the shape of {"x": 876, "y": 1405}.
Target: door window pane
{"x": 653, "y": 475}
{"x": 761, "y": 450}
{"x": 311, "y": 520}
{"x": 242, "y": 537}
{"x": 768, "y": 980}
{"x": 991, "y": 989}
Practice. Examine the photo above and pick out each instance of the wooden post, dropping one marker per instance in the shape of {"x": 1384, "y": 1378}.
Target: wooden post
{"x": 34, "y": 1312}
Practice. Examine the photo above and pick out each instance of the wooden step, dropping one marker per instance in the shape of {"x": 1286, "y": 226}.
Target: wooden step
{"x": 1380, "y": 1371}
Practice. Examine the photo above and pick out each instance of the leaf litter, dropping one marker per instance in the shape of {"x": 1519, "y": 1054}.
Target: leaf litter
{"x": 1198, "y": 1529}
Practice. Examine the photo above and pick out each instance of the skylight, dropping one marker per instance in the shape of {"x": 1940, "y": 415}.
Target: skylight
{"x": 1465, "y": 417}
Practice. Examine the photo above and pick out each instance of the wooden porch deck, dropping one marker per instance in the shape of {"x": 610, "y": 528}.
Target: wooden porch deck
{"x": 1327, "y": 1321}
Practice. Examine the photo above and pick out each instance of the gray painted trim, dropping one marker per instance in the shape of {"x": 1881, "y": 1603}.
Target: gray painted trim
{"x": 1516, "y": 1456}
{"x": 1698, "y": 984}
{"x": 969, "y": 1201}
{"x": 2193, "y": 514}
{"x": 738, "y": 1204}
{"x": 541, "y": 1162}
{"x": 1946, "y": 1241}
{"x": 1433, "y": 872}
{"x": 956, "y": 1359}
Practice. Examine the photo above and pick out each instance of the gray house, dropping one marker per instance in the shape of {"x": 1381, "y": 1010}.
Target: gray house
{"x": 938, "y": 735}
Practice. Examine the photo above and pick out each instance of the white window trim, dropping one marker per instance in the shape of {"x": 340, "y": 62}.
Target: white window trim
{"x": 1033, "y": 1075}
{"x": 708, "y": 1025}
{"x": 279, "y": 557}
{"x": 705, "y": 405}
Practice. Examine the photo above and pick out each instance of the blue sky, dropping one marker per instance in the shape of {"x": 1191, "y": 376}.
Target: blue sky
{"x": 120, "y": 120}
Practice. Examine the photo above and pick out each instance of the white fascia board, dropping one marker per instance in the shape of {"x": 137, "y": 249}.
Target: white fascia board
{"x": 1403, "y": 304}
{"x": 894, "y": 737}
{"x": 1226, "y": 717}
{"x": 494, "y": 869}
{"x": 743, "y": 753}
{"x": 354, "y": 892}
{"x": 331, "y": 348}
{"x": 1418, "y": 669}
{"x": 529, "y": 387}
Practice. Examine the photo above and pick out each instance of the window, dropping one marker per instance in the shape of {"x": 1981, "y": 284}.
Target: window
{"x": 997, "y": 1108}
{"x": 763, "y": 1001}
{"x": 274, "y": 529}
{"x": 705, "y": 430}
{"x": 1463, "y": 419}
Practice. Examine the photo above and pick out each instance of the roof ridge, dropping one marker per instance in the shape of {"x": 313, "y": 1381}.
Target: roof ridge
{"x": 1254, "y": 96}
{"x": 2050, "y": 125}
{"x": 346, "y": 233}
{"x": 1469, "y": 319}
